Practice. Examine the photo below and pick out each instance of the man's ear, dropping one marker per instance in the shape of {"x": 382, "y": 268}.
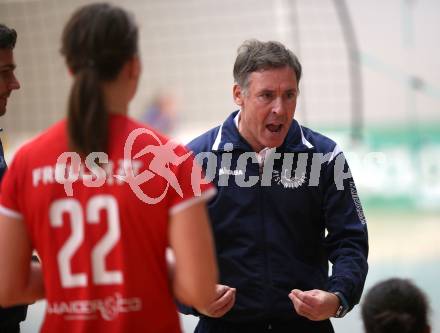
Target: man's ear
{"x": 237, "y": 94}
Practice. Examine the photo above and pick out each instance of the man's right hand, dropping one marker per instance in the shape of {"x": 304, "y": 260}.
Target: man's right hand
{"x": 223, "y": 302}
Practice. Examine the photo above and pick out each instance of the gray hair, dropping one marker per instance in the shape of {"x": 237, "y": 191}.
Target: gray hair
{"x": 254, "y": 55}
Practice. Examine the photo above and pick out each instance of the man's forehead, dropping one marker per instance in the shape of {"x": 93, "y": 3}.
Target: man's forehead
{"x": 7, "y": 59}
{"x": 273, "y": 77}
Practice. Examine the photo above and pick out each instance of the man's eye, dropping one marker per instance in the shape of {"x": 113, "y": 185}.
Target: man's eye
{"x": 6, "y": 74}
{"x": 291, "y": 94}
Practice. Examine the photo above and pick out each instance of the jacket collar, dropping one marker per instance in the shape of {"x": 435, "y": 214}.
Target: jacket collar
{"x": 228, "y": 138}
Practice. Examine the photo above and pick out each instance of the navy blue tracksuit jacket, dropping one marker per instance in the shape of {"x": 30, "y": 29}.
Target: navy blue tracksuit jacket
{"x": 279, "y": 231}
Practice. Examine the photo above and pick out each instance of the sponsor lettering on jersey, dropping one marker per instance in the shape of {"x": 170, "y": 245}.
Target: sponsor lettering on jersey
{"x": 107, "y": 308}
{"x": 62, "y": 173}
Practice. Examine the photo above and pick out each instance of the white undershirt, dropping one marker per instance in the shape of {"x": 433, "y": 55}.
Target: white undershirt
{"x": 264, "y": 153}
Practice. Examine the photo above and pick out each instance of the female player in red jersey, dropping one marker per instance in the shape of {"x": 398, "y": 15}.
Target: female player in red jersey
{"x": 84, "y": 196}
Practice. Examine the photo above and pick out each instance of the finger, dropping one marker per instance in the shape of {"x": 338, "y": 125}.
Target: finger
{"x": 297, "y": 302}
{"x": 315, "y": 292}
{"x": 301, "y": 308}
{"x": 222, "y": 301}
{"x": 220, "y": 312}
{"x": 296, "y": 292}
{"x": 227, "y": 298}
{"x": 220, "y": 290}
{"x": 308, "y": 297}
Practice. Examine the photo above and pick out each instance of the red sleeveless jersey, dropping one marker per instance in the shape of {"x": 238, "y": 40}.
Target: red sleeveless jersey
{"x": 101, "y": 229}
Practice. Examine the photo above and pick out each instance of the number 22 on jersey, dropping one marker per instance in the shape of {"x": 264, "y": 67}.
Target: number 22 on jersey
{"x": 100, "y": 275}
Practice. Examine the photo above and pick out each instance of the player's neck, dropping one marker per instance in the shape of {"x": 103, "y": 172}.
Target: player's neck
{"x": 115, "y": 99}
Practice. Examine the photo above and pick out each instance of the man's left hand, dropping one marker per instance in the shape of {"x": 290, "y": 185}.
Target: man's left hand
{"x": 314, "y": 304}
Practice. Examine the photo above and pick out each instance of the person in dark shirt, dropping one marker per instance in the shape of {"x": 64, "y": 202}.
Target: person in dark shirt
{"x": 10, "y": 318}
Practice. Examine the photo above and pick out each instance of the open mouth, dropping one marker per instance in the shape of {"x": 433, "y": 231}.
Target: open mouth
{"x": 274, "y": 128}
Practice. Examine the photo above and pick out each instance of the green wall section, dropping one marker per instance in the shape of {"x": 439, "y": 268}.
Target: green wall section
{"x": 395, "y": 168}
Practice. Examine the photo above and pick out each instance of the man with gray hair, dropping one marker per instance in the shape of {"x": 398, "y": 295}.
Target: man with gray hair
{"x": 286, "y": 206}
{"x": 10, "y": 318}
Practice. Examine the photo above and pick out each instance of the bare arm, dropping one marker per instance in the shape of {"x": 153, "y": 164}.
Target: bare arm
{"x": 21, "y": 282}
{"x": 195, "y": 269}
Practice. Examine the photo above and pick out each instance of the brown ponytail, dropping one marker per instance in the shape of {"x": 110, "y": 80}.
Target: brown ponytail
{"x": 87, "y": 118}
{"x": 97, "y": 41}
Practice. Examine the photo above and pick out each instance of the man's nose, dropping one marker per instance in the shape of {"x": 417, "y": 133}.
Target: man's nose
{"x": 14, "y": 84}
{"x": 278, "y": 105}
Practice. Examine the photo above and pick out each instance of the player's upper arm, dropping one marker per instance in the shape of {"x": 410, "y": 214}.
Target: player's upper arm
{"x": 195, "y": 271}
{"x": 16, "y": 251}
